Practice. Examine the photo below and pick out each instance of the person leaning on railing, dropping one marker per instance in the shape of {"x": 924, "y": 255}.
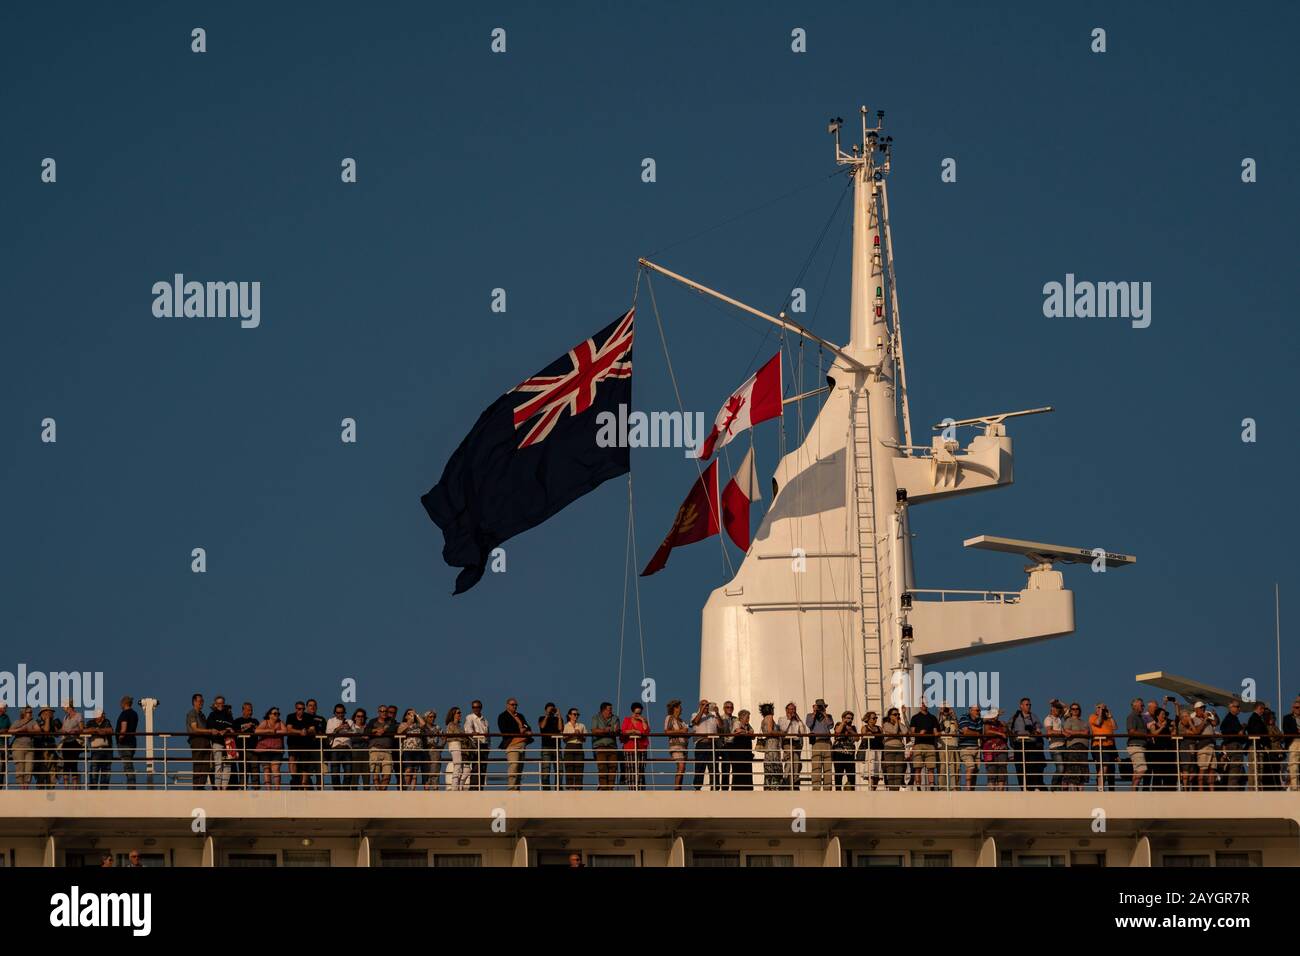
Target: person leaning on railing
{"x": 893, "y": 752}
{"x": 99, "y": 765}
{"x": 604, "y": 746}
{"x": 636, "y": 744}
{"x": 869, "y": 751}
{"x": 575, "y": 755}
{"x": 970, "y": 728}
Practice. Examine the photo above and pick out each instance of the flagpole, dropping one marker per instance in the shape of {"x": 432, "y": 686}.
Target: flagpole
{"x": 1277, "y": 633}
{"x": 782, "y": 322}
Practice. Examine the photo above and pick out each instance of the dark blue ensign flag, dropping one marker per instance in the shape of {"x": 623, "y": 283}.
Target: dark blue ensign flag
{"x": 533, "y": 451}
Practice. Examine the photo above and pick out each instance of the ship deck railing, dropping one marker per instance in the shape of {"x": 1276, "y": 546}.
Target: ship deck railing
{"x": 712, "y": 763}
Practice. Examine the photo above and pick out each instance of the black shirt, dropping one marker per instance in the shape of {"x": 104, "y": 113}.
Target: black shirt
{"x": 131, "y": 719}
{"x": 220, "y": 720}
{"x": 298, "y": 723}
{"x": 1231, "y": 727}
{"x": 550, "y": 724}
{"x": 925, "y": 726}
{"x": 244, "y": 727}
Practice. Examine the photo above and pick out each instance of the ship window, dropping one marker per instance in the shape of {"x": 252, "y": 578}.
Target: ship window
{"x": 306, "y": 857}
{"x": 1237, "y": 858}
{"x": 703, "y": 858}
{"x": 878, "y": 859}
{"x": 1040, "y": 859}
{"x": 1185, "y": 859}
{"x": 146, "y": 859}
{"x": 251, "y": 859}
{"x": 403, "y": 858}
{"x": 943, "y": 858}
{"x": 457, "y": 859}
{"x": 553, "y": 857}
{"x": 611, "y": 859}
{"x": 769, "y": 859}
{"x": 77, "y": 858}
{"x": 1087, "y": 858}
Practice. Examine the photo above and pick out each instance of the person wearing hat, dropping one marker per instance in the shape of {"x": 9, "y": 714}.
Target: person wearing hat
{"x": 1200, "y": 725}
{"x": 820, "y": 730}
{"x": 47, "y": 754}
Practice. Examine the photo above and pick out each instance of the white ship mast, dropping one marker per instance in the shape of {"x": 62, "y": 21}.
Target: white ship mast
{"x": 825, "y": 603}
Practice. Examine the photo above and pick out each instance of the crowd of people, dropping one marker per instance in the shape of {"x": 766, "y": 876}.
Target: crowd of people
{"x": 1146, "y": 749}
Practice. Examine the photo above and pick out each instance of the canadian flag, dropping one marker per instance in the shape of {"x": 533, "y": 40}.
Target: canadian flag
{"x": 736, "y": 497}
{"x": 756, "y": 401}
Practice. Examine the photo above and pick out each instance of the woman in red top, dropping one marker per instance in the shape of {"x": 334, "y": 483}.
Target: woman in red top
{"x": 636, "y": 741}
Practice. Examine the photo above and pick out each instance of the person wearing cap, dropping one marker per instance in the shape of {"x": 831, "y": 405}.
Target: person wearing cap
{"x": 1199, "y": 727}
{"x": 1054, "y": 728}
{"x": 1291, "y": 731}
{"x": 949, "y": 769}
{"x": 47, "y": 754}
{"x": 1233, "y": 729}
{"x": 821, "y": 728}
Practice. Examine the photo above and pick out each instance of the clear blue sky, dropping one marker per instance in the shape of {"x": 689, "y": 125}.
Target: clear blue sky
{"x": 522, "y": 171}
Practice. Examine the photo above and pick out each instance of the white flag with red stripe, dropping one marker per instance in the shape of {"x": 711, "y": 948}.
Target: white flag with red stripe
{"x": 741, "y": 490}
{"x": 756, "y": 401}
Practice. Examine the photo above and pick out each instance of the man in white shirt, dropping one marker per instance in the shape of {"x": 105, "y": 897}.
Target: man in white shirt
{"x": 476, "y": 744}
{"x": 574, "y": 754}
{"x": 705, "y": 725}
{"x": 794, "y": 731}
{"x": 337, "y": 729}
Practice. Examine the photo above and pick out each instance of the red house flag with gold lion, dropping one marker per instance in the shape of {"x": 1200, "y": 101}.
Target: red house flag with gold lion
{"x": 696, "y": 519}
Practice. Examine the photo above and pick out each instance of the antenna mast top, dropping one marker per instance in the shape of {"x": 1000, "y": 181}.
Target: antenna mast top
{"x": 874, "y": 141}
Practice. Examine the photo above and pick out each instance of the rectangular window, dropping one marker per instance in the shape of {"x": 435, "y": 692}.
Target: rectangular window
{"x": 769, "y": 859}
{"x": 932, "y": 858}
{"x": 878, "y": 859}
{"x": 457, "y": 859}
{"x": 1088, "y": 858}
{"x": 554, "y": 857}
{"x": 306, "y": 857}
{"x": 1185, "y": 859}
{"x": 611, "y": 859}
{"x": 403, "y": 858}
{"x": 251, "y": 859}
{"x": 146, "y": 859}
{"x": 708, "y": 858}
{"x": 1040, "y": 859}
{"x": 79, "y": 858}
{"x": 1237, "y": 858}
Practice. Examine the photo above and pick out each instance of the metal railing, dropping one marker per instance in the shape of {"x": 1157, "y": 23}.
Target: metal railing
{"x": 657, "y": 762}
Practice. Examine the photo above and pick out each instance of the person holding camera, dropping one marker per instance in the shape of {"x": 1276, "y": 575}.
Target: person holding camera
{"x": 1101, "y": 726}
{"x": 821, "y": 729}
{"x": 704, "y": 726}
{"x": 793, "y": 731}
